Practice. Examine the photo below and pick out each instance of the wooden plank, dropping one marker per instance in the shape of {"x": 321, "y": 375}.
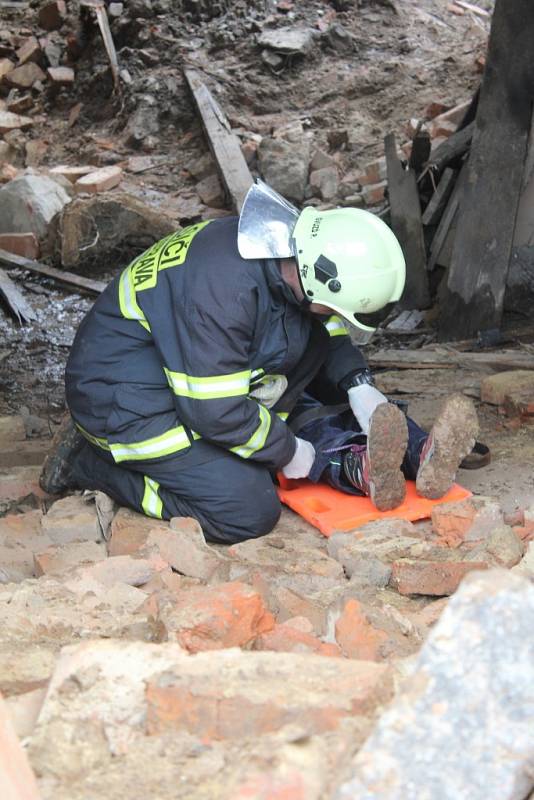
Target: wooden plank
{"x": 438, "y": 202}
{"x": 447, "y": 220}
{"x": 453, "y": 148}
{"x": 15, "y": 299}
{"x": 223, "y": 143}
{"x": 11, "y": 260}
{"x": 450, "y": 358}
{"x": 406, "y": 224}
{"x": 473, "y": 300}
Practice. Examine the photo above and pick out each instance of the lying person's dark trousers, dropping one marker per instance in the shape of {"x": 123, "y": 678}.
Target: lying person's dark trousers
{"x": 331, "y": 436}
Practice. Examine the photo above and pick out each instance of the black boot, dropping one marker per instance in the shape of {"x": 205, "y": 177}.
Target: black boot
{"x": 56, "y": 476}
{"x": 375, "y": 469}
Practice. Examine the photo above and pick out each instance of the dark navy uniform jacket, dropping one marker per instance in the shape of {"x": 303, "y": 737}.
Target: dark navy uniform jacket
{"x": 172, "y": 348}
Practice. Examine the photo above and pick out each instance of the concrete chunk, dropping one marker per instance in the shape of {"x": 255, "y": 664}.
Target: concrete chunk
{"x": 463, "y": 724}
{"x": 29, "y": 203}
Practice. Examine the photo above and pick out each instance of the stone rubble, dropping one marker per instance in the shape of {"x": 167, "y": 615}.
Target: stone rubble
{"x": 149, "y": 640}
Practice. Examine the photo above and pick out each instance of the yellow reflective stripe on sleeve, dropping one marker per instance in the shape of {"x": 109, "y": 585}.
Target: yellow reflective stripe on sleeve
{"x": 258, "y": 438}
{"x": 127, "y": 299}
{"x": 99, "y": 442}
{"x": 151, "y": 503}
{"x": 218, "y": 386}
{"x": 282, "y": 415}
{"x": 172, "y": 441}
{"x": 335, "y": 326}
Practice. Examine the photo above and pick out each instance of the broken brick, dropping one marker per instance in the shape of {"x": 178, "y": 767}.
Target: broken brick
{"x": 101, "y": 180}
{"x": 61, "y": 75}
{"x": 21, "y": 244}
{"x": 184, "y": 547}
{"x": 30, "y": 51}
{"x": 58, "y": 558}
{"x": 357, "y": 636}
{"x": 210, "y": 618}
{"x": 71, "y": 519}
{"x": 286, "y": 638}
{"x": 503, "y": 548}
{"x": 373, "y": 173}
{"x": 434, "y": 109}
{"x": 18, "y": 105}
{"x": 469, "y": 520}
{"x": 71, "y": 173}
{"x": 25, "y": 76}
{"x": 236, "y": 695}
{"x": 438, "y": 578}
{"x": 13, "y": 122}
{"x": 5, "y": 66}
{"x": 130, "y": 530}
{"x": 374, "y": 193}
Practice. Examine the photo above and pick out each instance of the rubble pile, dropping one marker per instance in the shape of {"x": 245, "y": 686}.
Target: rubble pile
{"x": 262, "y": 667}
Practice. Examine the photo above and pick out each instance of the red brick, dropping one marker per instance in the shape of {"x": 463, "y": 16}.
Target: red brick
{"x": 470, "y": 520}
{"x": 52, "y": 15}
{"x": 21, "y": 244}
{"x": 244, "y": 695}
{"x": 441, "y": 128}
{"x": 356, "y": 635}
{"x": 434, "y": 109}
{"x": 288, "y": 639}
{"x": 437, "y": 578}
{"x": 210, "y": 618}
{"x": 374, "y": 194}
{"x": 373, "y": 173}
{"x": 58, "y": 558}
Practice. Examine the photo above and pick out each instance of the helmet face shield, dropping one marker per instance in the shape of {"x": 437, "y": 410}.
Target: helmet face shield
{"x": 266, "y": 224}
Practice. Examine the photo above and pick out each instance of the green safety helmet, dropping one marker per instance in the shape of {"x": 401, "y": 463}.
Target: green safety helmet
{"x": 350, "y": 261}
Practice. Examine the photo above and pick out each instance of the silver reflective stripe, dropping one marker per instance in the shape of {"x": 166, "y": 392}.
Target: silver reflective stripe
{"x": 167, "y": 443}
{"x": 336, "y": 327}
{"x": 258, "y": 438}
{"x": 217, "y": 386}
{"x": 151, "y": 504}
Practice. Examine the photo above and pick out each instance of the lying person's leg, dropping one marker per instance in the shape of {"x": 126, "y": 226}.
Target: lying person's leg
{"x": 354, "y": 463}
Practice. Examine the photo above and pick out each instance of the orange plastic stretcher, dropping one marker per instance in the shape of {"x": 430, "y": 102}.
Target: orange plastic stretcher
{"x": 330, "y": 510}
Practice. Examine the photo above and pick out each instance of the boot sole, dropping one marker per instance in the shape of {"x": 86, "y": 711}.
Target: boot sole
{"x": 454, "y": 433}
{"x": 386, "y": 446}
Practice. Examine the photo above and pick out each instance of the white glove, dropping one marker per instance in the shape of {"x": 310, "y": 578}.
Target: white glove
{"x": 302, "y": 462}
{"x": 363, "y": 400}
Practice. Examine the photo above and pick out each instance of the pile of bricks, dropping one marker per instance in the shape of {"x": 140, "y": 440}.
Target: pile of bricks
{"x": 272, "y": 637}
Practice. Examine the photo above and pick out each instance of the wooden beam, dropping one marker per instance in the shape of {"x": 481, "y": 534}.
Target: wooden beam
{"x": 452, "y": 148}
{"x": 449, "y": 359}
{"x": 407, "y": 227}
{"x": 473, "y": 300}
{"x": 223, "y": 143}
{"x": 15, "y": 299}
{"x": 87, "y": 285}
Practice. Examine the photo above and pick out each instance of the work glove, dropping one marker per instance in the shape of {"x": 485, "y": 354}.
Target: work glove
{"x": 302, "y": 462}
{"x": 363, "y": 400}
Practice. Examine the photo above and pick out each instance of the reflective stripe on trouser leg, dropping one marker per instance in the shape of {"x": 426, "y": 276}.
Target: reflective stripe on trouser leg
{"x": 151, "y": 503}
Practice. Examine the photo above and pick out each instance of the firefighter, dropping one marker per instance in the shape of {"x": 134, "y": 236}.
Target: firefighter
{"x": 212, "y": 362}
